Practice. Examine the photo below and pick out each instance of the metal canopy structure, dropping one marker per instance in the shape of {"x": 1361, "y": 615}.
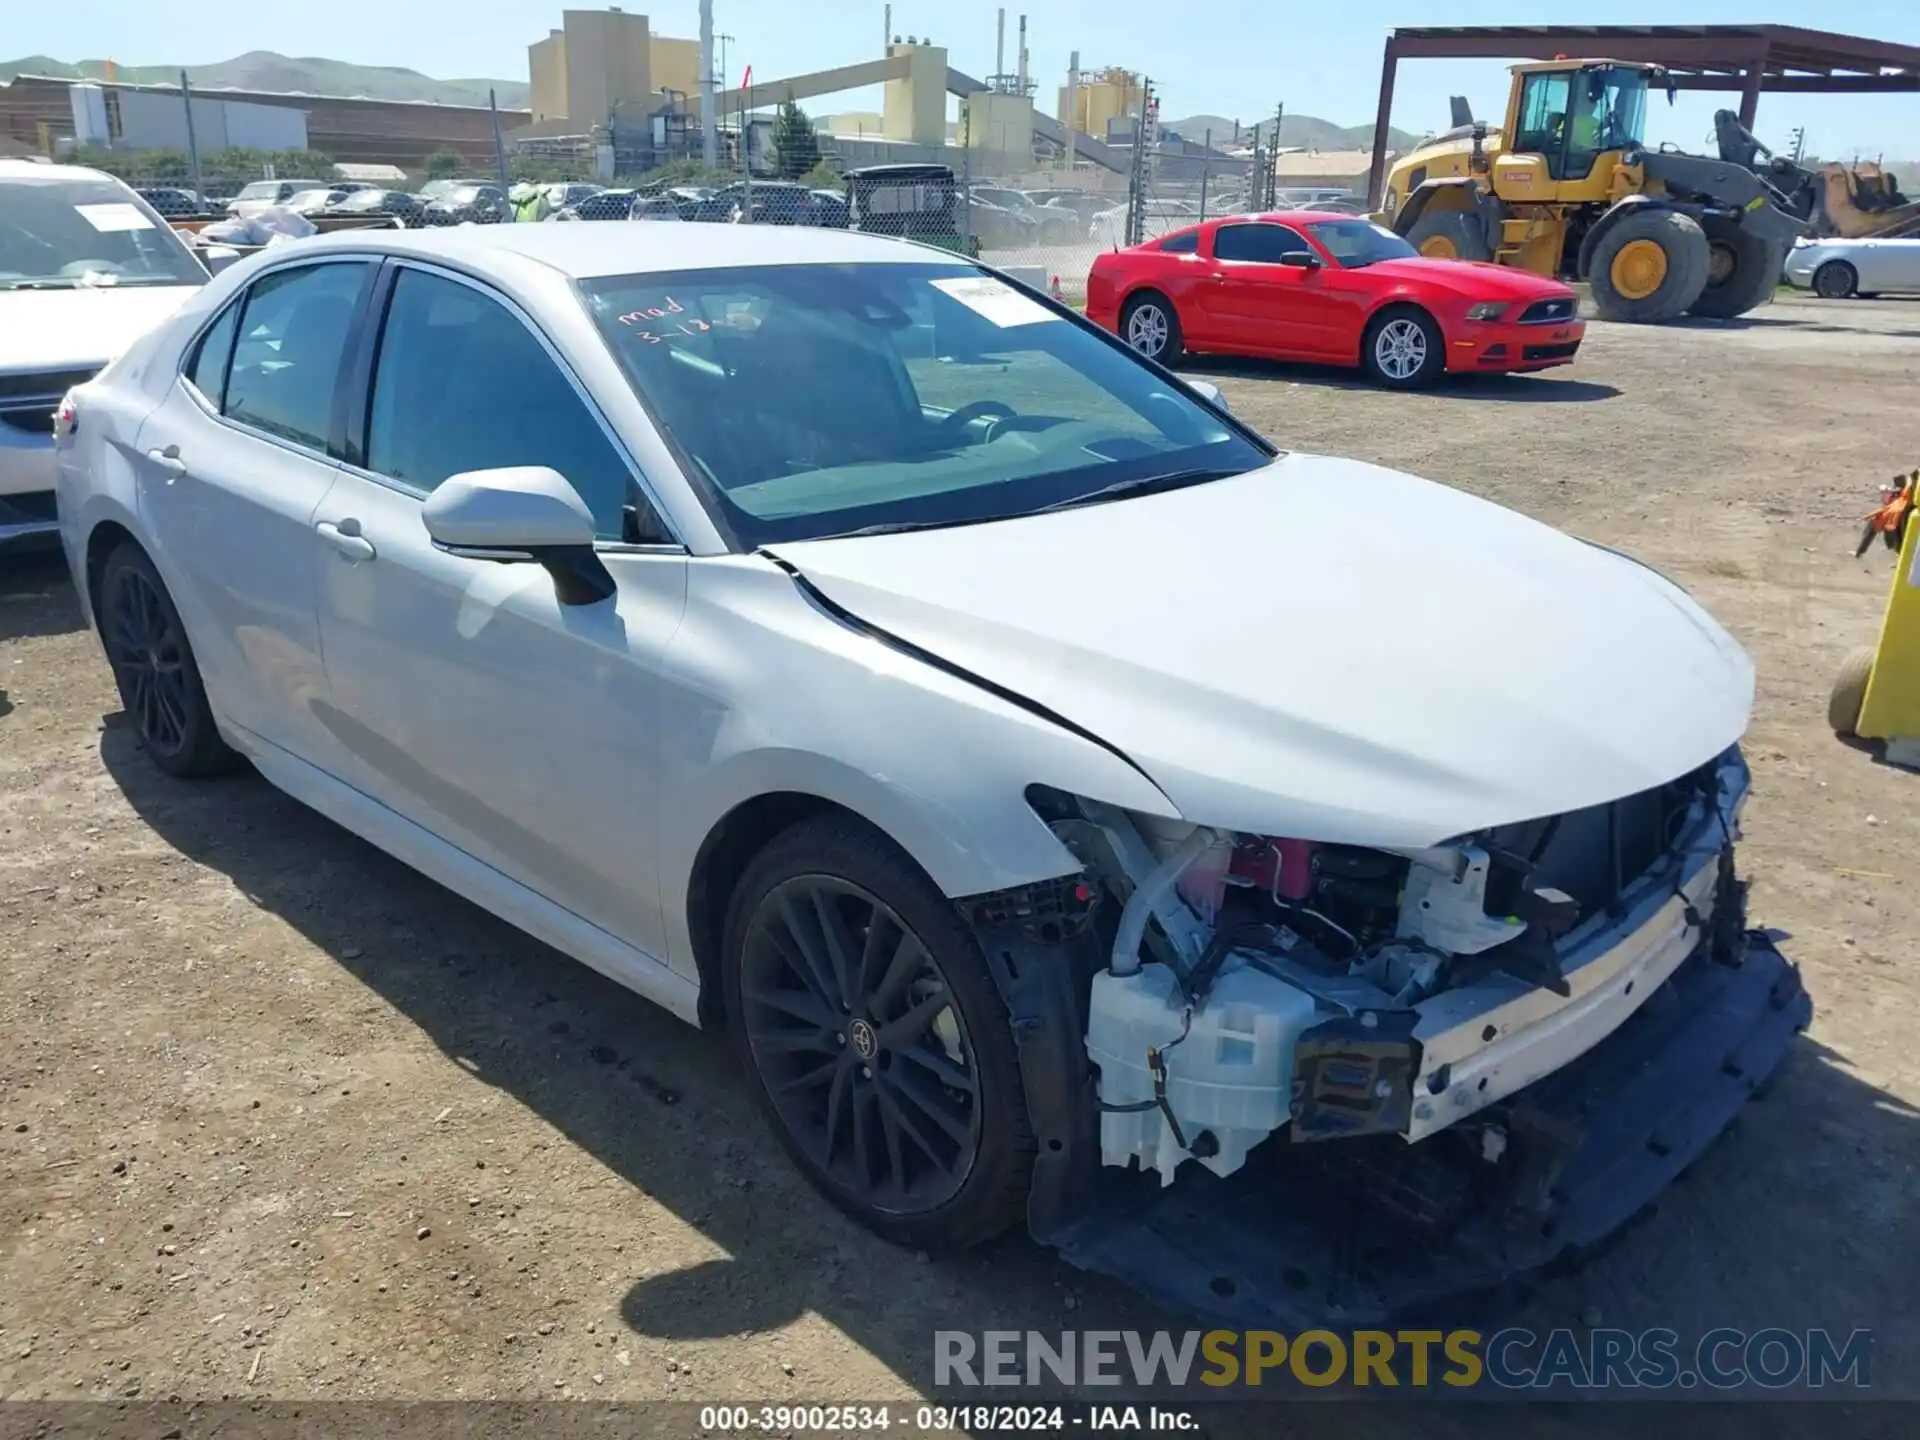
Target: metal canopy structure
{"x": 1784, "y": 59}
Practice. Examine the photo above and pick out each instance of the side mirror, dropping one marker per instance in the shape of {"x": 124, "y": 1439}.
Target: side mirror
{"x": 1300, "y": 260}
{"x": 1207, "y": 391}
{"x": 525, "y": 514}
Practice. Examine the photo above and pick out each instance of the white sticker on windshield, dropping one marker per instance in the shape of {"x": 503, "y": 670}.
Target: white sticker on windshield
{"x": 116, "y": 215}
{"x": 998, "y": 301}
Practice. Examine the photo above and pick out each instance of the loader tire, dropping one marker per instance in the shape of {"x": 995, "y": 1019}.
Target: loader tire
{"x": 1743, "y": 269}
{"x": 1850, "y": 692}
{"x": 1649, "y": 267}
{"x": 1448, "y": 235}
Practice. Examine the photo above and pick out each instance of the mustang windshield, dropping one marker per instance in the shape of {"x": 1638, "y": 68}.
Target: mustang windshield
{"x": 61, "y": 234}
{"x": 1356, "y": 243}
{"x": 820, "y": 400}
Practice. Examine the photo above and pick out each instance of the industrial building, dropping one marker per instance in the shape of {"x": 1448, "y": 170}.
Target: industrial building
{"x": 44, "y": 113}
{"x": 598, "y": 60}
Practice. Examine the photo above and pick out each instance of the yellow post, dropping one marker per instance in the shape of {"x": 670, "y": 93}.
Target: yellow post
{"x": 1890, "y": 709}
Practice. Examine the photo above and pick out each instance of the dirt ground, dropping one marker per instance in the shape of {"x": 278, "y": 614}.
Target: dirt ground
{"x": 279, "y": 1118}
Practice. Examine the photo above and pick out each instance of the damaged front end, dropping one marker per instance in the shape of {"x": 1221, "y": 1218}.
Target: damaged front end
{"x": 1380, "y": 1077}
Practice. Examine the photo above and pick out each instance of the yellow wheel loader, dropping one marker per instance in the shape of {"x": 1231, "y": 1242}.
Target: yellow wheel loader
{"x": 1567, "y": 187}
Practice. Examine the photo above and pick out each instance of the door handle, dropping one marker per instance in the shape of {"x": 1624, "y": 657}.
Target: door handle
{"x": 169, "y": 462}
{"x": 347, "y": 539}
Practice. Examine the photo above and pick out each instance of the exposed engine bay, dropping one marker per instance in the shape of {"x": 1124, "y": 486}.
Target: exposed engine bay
{"x": 1256, "y": 984}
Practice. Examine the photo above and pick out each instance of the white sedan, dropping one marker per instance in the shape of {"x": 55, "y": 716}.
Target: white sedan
{"x": 1837, "y": 268}
{"x": 1040, "y": 775}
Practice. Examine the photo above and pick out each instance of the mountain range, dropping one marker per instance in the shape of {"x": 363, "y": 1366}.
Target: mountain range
{"x": 1309, "y": 132}
{"x": 301, "y": 75}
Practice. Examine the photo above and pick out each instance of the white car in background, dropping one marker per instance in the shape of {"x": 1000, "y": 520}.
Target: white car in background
{"x": 1836, "y": 268}
{"x": 827, "y": 639}
{"x": 86, "y": 267}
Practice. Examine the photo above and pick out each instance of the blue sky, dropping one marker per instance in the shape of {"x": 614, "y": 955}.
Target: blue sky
{"x": 1229, "y": 57}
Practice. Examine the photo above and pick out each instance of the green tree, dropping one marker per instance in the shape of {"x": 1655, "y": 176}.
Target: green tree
{"x": 822, "y": 177}
{"x": 796, "y": 145}
{"x": 445, "y": 165}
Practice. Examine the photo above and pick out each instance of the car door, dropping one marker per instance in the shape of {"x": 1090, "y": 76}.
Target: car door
{"x": 232, "y": 465}
{"x": 466, "y": 696}
{"x": 1266, "y": 307}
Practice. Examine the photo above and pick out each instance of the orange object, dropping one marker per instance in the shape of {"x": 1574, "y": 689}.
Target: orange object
{"x": 1889, "y": 522}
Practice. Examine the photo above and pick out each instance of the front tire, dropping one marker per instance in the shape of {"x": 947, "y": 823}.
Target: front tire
{"x": 1403, "y": 349}
{"x": 881, "y": 1051}
{"x": 1150, "y": 326}
{"x": 1649, "y": 267}
{"x": 1835, "y": 280}
{"x": 154, "y": 669}
{"x": 1849, "y": 693}
{"x": 1742, "y": 270}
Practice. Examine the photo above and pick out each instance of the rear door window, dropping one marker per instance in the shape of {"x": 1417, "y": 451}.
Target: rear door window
{"x": 286, "y": 361}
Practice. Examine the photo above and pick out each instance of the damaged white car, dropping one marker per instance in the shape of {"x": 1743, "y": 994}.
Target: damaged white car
{"x": 1289, "y": 884}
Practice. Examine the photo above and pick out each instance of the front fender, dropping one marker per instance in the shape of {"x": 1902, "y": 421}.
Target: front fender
{"x": 780, "y": 696}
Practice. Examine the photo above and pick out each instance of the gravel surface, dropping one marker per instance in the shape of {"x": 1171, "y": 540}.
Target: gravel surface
{"x": 279, "y": 1118}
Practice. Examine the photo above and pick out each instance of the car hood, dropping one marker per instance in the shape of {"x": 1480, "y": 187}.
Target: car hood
{"x": 72, "y": 329}
{"x": 1472, "y": 279}
{"x": 1321, "y": 648}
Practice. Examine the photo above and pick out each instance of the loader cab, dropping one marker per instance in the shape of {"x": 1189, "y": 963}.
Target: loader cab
{"x": 1565, "y": 116}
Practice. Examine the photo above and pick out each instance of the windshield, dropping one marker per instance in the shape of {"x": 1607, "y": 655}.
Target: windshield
{"x": 60, "y": 234}
{"x": 434, "y": 189}
{"x": 1611, "y": 111}
{"x": 1359, "y": 243}
{"x": 820, "y": 400}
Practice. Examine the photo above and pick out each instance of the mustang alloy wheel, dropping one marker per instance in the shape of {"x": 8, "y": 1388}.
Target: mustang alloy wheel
{"x": 882, "y": 1050}
{"x": 1149, "y": 326}
{"x": 1403, "y": 349}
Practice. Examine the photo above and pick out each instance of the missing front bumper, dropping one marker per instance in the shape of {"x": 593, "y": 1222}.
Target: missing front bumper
{"x": 1364, "y": 1230}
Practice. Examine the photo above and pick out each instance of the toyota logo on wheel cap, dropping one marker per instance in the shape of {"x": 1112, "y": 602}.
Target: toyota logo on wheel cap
{"x": 865, "y": 1043}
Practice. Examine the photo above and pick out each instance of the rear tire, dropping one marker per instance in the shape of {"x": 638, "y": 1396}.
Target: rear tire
{"x": 1151, "y": 327}
{"x": 1835, "y": 280}
{"x": 1743, "y": 269}
{"x": 1850, "y": 692}
{"x": 1452, "y": 234}
{"x": 1403, "y": 348}
{"x": 154, "y": 669}
{"x": 906, "y": 1113}
{"x": 1633, "y": 283}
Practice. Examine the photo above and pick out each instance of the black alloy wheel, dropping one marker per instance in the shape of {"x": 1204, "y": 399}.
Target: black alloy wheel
{"x": 154, "y": 669}
{"x": 862, "y": 1049}
{"x": 149, "y": 655}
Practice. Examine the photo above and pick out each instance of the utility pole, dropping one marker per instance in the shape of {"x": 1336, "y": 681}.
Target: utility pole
{"x": 1272, "y": 180}
{"x": 1137, "y": 180}
{"x": 499, "y": 145}
{"x": 709, "y": 120}
{"x": 193, "y": 143}
{"x": 1799, "y": 142}
{"x": 1206, "y": 170}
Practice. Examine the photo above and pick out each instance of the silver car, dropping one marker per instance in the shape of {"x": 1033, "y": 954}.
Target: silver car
{"x": 1836, "y": 268}
{"x": 824, "y": 637}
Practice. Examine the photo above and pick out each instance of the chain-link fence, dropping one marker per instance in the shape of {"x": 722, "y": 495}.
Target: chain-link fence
{"x": 1038, "y": 217}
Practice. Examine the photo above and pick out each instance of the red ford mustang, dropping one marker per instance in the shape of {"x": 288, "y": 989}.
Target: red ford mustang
{"x": 1307, "y": 285}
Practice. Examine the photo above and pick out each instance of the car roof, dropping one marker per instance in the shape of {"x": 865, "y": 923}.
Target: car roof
{"x": 1293, "y": 217}
{"x": 11, "y": 169}
{"x": 586, "y": 251}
